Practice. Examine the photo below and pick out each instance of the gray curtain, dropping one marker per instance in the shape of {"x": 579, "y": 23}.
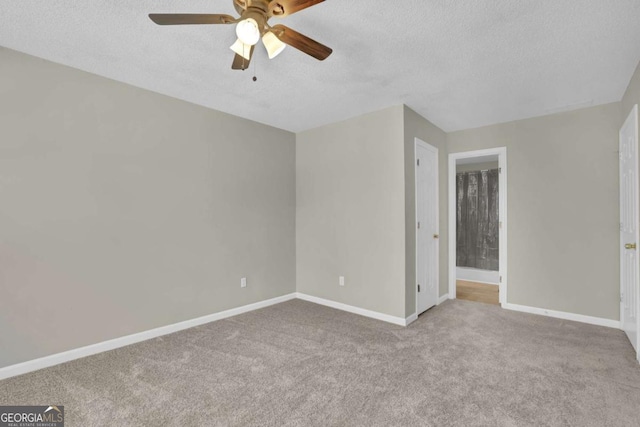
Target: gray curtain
{"x": 477, "y": 219}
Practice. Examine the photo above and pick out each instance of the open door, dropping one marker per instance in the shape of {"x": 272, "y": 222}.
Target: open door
{"x": 629, "y": 267}
{"x": 427, "y": 234}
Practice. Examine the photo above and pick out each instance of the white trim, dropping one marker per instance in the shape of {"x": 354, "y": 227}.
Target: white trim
{"x": 356, "y": 310}
{"x": 56, "y": 359}
{"x": 78, "y": 353}
{"x": 414, "y": 316}
{"x": 483, "y": 282}
{"x": 427, "y": 146}
{"x": 564, "y": 315}
{"x": 489, "y": 277}
{"x": 409, "y": 320}
{"x": 501, "y": 152}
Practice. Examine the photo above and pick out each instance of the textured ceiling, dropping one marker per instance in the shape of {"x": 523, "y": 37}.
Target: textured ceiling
{"x": 460, "y": 64}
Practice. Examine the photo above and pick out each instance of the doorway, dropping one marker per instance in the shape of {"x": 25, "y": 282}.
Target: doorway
{"x": 478, "y": 225}
{"x": 427, "y": 234}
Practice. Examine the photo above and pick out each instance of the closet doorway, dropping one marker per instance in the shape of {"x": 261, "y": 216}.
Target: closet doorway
{"x": 478, "y": 226}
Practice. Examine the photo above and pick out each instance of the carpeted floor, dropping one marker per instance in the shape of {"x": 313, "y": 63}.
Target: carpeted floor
{"x": 301, "y": 364}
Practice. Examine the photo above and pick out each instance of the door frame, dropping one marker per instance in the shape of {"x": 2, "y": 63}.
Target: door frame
{"x": 501, "y": 152}
{"x": 632, "y": 115}
{"x": 419, "y": 142}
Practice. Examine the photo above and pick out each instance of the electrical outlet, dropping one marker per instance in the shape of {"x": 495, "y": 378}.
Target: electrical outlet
{"x": 243, "y": 282}
{"x": 341, "y": 280}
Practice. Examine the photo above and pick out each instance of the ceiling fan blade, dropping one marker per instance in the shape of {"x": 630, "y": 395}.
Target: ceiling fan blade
{"x": 190, "y": 18}
{"x": 239, "y": 63}
{"x": 289, "y": 7}
{"x": 301, "y": 42}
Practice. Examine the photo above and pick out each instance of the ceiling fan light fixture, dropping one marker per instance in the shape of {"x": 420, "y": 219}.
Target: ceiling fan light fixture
{"x": 248, "y": 31}
{"x": 253, "y": 25}
{"x": 242, "y": 49}
{"x": 273, "y": 44}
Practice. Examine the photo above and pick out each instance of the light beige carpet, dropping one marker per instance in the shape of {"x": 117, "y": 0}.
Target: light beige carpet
{"x": 300, "y": 364}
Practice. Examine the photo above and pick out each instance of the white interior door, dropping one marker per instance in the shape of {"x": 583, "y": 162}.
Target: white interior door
{"x": 629, "y": 279}
{"x": 427, "y": 238}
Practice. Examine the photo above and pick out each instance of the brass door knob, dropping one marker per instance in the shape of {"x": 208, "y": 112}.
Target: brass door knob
{"x": 630, "y": 246}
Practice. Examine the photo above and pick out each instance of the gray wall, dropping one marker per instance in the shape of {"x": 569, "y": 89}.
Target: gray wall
{"x": 415, "y": 126}
{"x": 123, "y": 210}
{"x": 477, "y": 167}
{"x": 562, "y": 208}
{"x": 350, "y": 212}
{"x": 632, "y": 95}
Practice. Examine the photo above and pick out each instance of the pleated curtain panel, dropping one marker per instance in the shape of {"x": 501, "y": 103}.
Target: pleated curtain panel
{"x": 477, "y": 220}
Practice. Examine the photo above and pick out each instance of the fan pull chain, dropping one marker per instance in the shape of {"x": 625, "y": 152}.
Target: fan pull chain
{"x": 255, "y": 65}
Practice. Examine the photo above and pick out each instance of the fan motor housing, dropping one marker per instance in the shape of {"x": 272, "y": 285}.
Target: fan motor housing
{"x": 244, "y": 5}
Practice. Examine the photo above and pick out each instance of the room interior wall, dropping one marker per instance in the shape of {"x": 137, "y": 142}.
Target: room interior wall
{"x": 472, "y": 167}
{"x": 631, "y": 96}
{"x": 350, "y": 212}
{"x": 416, "y": 126}
{"x": 124, "y": 210}
{"x": 129, "y": 210}
{"x": 562, "y": 208}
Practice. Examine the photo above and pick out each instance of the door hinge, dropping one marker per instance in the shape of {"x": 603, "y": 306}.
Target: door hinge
{"x": 499, "y": 170}
{"x": 500, "y": 225}
{"x": 418, "y": 225}
{"x": 500, "y": 279}
{"x": 418, "y": 287}
{"x": 418, "y": 162}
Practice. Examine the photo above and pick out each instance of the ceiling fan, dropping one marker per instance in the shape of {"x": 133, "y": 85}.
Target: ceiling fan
{"x": 252, "y": 25}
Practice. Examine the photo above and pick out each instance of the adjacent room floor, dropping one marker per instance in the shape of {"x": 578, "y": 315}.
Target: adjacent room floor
{"x": 478, "y": 292}
{"x": 298, "y": 363}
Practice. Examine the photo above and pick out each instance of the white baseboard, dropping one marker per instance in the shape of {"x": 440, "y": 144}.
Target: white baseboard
{"x": 480, "y": 281}
{"x": 356, "y": 310}
{"x": 56, "y": 359}
{"x": 414, "y": 316}
{"x": 409, "y": 320}
{"x": 488, "y": 277}
{"x": 563, "y": 315}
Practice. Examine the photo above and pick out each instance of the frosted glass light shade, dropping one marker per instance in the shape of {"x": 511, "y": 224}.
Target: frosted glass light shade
{"x": 273, "y": 44}
{"x": 247, "y": 31}
{"x": 242, "y": 49}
